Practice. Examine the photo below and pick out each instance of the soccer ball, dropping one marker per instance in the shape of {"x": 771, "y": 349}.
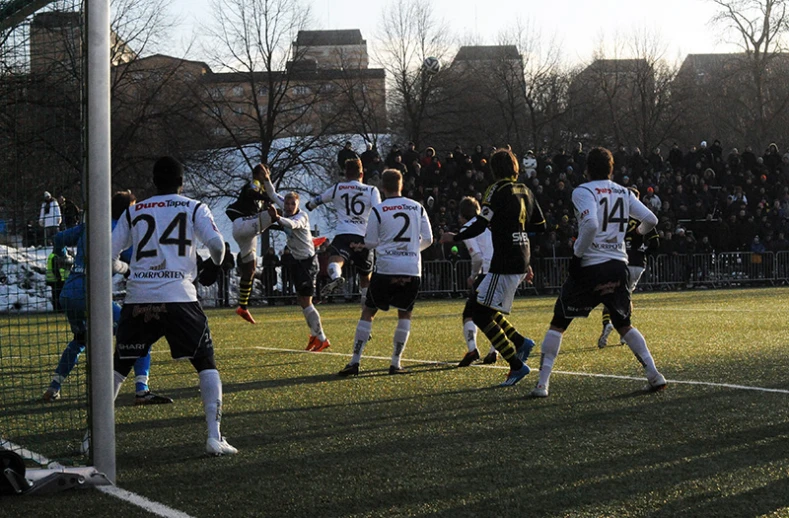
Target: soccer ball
{"x": 431, "y": 65}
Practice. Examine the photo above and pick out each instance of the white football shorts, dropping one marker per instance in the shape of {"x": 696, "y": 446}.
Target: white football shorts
{"x": 497, "y": 290}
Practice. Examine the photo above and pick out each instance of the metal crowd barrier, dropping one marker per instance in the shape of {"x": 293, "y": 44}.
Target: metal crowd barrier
{"x": 449, "y": 278}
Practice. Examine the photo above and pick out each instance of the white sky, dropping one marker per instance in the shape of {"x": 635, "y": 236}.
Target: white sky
{"x": 683, "y": 25}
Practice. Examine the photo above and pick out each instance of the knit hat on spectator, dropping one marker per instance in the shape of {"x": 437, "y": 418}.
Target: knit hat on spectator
{"x": 47, "y": 195}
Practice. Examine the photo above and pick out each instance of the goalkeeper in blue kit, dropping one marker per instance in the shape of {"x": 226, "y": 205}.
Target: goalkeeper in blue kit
{"x": 73, "y": 302}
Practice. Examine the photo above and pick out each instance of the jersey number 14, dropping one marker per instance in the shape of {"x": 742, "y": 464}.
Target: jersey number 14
{"x": 615, "y": 216}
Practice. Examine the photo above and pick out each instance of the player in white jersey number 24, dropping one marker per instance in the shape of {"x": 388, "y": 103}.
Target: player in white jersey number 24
{"x": 161, "y": 299}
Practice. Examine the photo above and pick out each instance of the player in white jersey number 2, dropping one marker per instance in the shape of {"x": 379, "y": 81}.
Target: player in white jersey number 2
{"x": 353, "y": 201}
{"x": 161, "y": 299}
{"x": 598, "y": 268}
{"x": 398, "y": 230}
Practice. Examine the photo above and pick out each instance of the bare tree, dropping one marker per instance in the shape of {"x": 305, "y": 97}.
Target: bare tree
{"x": 537, "y": 84}
{"x": 410, "y": 32}
{"x": 267, "y": 102}
{"x": 628, "y": 101}
{"x": 758, "y": 28}
{"x": 43, "y": 77}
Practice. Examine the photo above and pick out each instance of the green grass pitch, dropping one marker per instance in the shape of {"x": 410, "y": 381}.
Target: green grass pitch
{"x": 447, "y": 442}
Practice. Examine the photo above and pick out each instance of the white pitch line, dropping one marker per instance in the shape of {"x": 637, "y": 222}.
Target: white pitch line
{"x": 140, "y": 501}
{"x": 133, "y": 498}
{"x": 568, "y": 373}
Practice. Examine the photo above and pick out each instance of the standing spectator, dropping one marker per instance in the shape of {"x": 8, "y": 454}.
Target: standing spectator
{"x": 70, "y": 212}
{"x": 223, "y": 281}
{"x": 772, "y": 158}
{"x": 675, "y": 157}
{"x": 57, "y": 271}
{"x": 749, "y": 159}
{"x": 411, "y": 159}
{"x": 529, "y": 170}
{"x": 390, "y": 158}
{"x": 346, "y": 153}
{"x": 579, "y": 157}
{"x": 49, "y": 217}
{"x": 480, "y": 158}
{"x": 323, "y": 267}
{"x": 288, "y": 263}
{"x": 270, "y": 264}
{"x": 368, "y": 155}
{"x": 656, "y": 160}
{"x": 398, "y": 165}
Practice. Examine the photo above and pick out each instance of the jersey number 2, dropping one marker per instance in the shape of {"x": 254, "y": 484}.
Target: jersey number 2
{"x": 406, "y": 223}
{"x": 179, "y": 222}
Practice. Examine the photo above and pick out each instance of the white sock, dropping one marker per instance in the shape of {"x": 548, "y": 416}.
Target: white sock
{"x": 635, "y": 340}
{"x": 313, "y": 319}
{"x": 363, "y": 292}
{"x": 360, "y": 339}
{"x": 118, "y": 381}
{"x": 211, "y": 392}
{"x": 492, "y": 350}
{"x": 334, "y": 270}
{"x": 548, "y": 353}
{"x": 470, "y": 334}
{"x": 401, "y": 333}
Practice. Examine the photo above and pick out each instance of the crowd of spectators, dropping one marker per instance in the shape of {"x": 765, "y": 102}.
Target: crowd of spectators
{"x": 706, "y": 199}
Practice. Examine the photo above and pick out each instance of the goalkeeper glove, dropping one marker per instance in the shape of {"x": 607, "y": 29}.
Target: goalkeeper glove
{"x": 207, "y": 272}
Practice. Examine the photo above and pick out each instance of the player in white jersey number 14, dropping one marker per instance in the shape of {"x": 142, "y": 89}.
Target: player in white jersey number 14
{"x": 598, "y": 267}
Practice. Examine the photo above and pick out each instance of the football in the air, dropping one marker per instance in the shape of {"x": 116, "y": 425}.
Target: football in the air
{"x": 431, "y": 65}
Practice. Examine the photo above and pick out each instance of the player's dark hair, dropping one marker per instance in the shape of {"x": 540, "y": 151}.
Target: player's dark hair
{"x": 259, "y": 169}
{"x": 392, "y": 180}
{"x": 120, "y": 202}
{"x": 599, "y": 164}
{"x": 353, "y": 169}
{"x": 469, "y": 208}
{"x": 168, "y": 175}
{"x": 292, "y": 194}
{"x": 504, "y": 165}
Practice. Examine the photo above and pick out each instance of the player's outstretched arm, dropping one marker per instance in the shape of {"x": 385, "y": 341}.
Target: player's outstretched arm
{"x": 371, "y": 237}
{"x": 272, "y": 193}
{"x": 425, "y": 231}
{"x": 474, "y": 228}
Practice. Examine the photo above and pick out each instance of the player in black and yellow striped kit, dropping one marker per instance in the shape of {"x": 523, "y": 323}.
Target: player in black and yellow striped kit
{"x": 511, "y": 211}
